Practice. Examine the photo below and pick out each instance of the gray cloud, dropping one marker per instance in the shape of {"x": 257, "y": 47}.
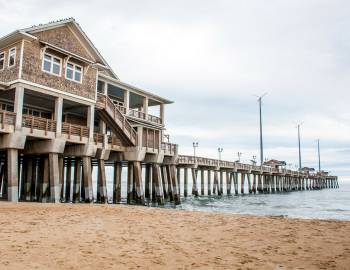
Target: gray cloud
{"x": 210, "y": 57}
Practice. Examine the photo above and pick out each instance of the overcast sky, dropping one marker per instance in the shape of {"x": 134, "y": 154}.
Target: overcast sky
{"x": 212, "y": 57}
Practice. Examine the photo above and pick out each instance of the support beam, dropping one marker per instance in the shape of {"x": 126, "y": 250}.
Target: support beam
{"x": 202, "y": 182}
{"x": 58, "y": 115}
{"x": 87, "y": 179}
{"x": 102, "y": 181}
{"x": 54, "y": 178}
{"x": 140, "y": 197}
{"x": 185, "y": 182}
{"x": 117, "y": 182}
{"x": 91, "y": 121}
{"x": 194, "y": 182}
{"x": 18, "y": 107}
{"x": 77, "y": 180}
{"x": 68, "y": 180}
{"x": 156, "y": 178}
{"x": 130, "y": 183}
{"x": 12, "y": 175}
{"x": 176, "y": 194}
{"x": 209, "y": 182}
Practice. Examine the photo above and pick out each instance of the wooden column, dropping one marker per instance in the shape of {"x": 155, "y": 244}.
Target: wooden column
{"x": 170, "y": 185}
{"x": 174, "y": 182}
{"x": 156, "y": 178}
{"x": 34, "y": 179}
{"x": 254, "y": 183}
{"x": 61, "y": 175}
{"x": 209, "y": 182}
{"x": 77, "y": 180}
{"x": 117, "y": 182}
{"x": 12, "y": 175}
{"x": 228, "y": 182}
{"x": 102, "y": 181}
{"x": 202, "y": 182}
{"x": 148, "y": 182}
{"x": 29, "y": 179}
{"x": 87, "y": 179}
{"x": 46, "y": 180}
{"x": 130, "y": 183}
{"x": 235, "y": 182}
{"x": 140, "y": 197}
{"x": 221, "y": 188}
{"x": 194, "y": 182}
{"x": 178, "y": 180}
{"x": 216, "y": 183}
{"x": 249, "y": 183}
{"x": 165, "y": 182}
{"x": 54, "y": 178}
{"x": 185, "y": 182}
{"x": 68, "y": 180}
{"x": 242, "y": 182}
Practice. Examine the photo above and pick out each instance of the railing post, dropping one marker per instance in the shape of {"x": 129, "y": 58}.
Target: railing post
{"x": 3, "y": 119}
{"x": 47, "y": 126}
{"x": 32, "y": 125}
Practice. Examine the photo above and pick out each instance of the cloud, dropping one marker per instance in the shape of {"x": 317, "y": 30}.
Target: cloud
{"x": 211, "y": 57}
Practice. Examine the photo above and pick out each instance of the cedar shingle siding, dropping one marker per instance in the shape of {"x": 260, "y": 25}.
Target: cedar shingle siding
{"x": 10, "y": 74}
{"x": 32, "y": 64}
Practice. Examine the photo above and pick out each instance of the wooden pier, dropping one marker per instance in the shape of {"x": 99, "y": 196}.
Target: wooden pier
{"x": 64, "y": 113}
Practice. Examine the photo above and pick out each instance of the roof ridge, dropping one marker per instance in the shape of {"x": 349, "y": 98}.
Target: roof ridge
{"x": 70, "y": 19}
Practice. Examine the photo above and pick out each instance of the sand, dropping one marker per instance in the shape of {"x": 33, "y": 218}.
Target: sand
{"x": 65, "y": 236}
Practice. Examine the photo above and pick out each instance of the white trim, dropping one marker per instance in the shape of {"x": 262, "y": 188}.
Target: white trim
{"x": 74, "y": 70}
{"x": 51, "y": 66}
{"x": 3, "y": 59}
{"x": 53, "y": 90}
{"x": 9, "y": 57}
{"x": 21, "y": 60}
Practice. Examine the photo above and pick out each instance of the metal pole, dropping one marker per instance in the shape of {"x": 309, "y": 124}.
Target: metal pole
{"x": 319, "y": 155}
{"x": 299, "y": 147}
{"x": 261, "y": 138}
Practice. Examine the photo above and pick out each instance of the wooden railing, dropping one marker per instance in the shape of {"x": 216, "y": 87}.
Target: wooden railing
{"x": 106, "y": 103}
{"x": 77, "y": 130}
{"x": 34, "y": 122}
{"x": 200, "y": 161}
{"x": 137, "y": 114}
{"x": 98, "y": 138}
{"x": 154, "y": 119}
{"x": 169, "y": 147}
{"x": 7, "y": 118}
{"x": 114, "y": 141}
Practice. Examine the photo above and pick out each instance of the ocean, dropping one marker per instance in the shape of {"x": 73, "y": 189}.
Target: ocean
{"x": 308, "y": 204}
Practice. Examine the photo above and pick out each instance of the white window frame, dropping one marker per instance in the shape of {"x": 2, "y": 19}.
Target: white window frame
{"x": 51, "y": 66}
{"x": 3, "y": 59}
{"x": 9, "y": 57}
{"x": 74, "y": 67}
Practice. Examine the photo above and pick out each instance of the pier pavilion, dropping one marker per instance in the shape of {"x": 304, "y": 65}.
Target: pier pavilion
{"x": 64, "y": 111}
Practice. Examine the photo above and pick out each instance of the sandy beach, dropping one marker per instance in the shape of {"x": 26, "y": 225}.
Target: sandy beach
{"x": 47, "y": 236}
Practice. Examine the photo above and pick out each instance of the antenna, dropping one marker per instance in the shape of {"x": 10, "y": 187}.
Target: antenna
{"x": 261, "y": 137}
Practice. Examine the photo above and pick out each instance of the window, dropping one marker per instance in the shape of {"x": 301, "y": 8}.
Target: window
{"x": 12, "y": 57}
{"x": 52, "y": 64}
{"x": 74, "y": 72}
{"x": 2, "y": 61}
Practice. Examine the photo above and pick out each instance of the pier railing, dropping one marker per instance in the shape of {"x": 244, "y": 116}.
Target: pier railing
{"x": 76, "y": 130}
{"x": 7, "y": 118}
{"x": 34, "y": 122}
{"x": 208, "y": 162}
{"x": 170, "y": 148}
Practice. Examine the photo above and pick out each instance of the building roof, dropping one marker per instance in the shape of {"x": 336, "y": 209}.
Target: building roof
{"x": 28, "y": 32}
{"x": 275, "y": 162}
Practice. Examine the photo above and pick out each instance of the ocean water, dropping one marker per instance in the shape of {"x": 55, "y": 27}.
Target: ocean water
{"x": 308, "y": 204}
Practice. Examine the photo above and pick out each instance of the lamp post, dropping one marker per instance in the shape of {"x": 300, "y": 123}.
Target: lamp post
{"x": 239, "y": 154}
{"x": 195, "y": 145}
{"x": 319, "y": 155}
{"x": 298, "y": 126}
{"x": 254, "y": 160}
{"x": 261, "y": 137}
{"x": 220, "y": 151}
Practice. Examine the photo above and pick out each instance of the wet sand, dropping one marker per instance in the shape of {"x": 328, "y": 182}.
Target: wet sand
{"x": 64, "y": 236}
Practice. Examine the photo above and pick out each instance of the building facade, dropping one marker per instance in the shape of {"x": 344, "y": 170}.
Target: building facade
{"x": 63, "y": 108}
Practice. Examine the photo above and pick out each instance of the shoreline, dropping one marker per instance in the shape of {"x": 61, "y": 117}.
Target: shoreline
{"x": 68, "y": 236}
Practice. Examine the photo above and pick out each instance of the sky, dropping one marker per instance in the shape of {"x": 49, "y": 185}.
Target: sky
{"x": 213, "y": 57}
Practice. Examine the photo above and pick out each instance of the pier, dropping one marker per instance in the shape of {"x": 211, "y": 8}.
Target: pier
{"x": 64, "y": 113}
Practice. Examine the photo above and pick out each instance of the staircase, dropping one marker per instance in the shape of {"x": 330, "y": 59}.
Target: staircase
{"x": 113, "y": 117}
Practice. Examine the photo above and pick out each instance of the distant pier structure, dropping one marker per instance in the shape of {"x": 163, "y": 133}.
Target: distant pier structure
{"x": 64, "y": 113}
